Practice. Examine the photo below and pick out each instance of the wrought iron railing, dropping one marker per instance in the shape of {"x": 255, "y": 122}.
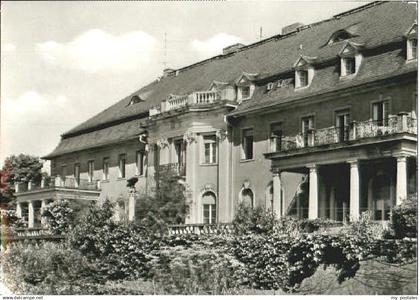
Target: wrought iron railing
{"x": 401, "y": 123}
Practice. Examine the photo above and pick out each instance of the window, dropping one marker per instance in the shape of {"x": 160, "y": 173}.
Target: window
{"x": 342, "y": 119}
{"x": 105, "y": 168}
{"x": 210, "y": 149}
{"x": 63, "y": 171}
{"x": 209, "y": 208}
{"x": 275, "y": 137}
{"x": 307, "y": 124}
{"x": 121, "y": 165}
{"x": 301, "y": 78}
{"x": 245, "y": 92}
{"x": 77, "y": 173}
{"x": 91, "y": 168}
{"x": 412, "y": 49}
{"x": 180, "y": 156}
{"x": 349, "y": 66}
{"x": 270, "y": 86}
{"x": 247, "y": 143}
{"x": 380, "y": 113}
{"x": 247, "y": 197}
{"x": 140, "y": 163}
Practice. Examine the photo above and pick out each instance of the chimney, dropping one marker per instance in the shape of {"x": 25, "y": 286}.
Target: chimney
{"x": 167, "y": 72}
{"x": 290, "y": 28}
{"x": 232, "y": 48}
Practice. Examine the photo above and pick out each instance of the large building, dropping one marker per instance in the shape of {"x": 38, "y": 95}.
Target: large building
{"x": 318, "y": 121}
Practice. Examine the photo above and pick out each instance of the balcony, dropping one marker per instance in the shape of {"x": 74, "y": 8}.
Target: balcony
{"x": 174, "y": 168}
{"x": 356, "y": 131}
{"x": 195, "y": 98}
{"x": 58, "y": 182}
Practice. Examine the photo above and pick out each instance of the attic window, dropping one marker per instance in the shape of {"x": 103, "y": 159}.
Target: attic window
{"x": 412, "y": 43}
{"x": 349, "y": 66}
{"x": 301, "y": 78}
{"x": 270, "y": 86}
{"x": 338, "y": 36}
{"x": 134, "y": 100}
{"x": 350, "y": 58}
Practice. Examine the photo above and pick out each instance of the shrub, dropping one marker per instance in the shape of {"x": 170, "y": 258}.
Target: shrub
{"x": 168, "y": 206}
{"x": 47, "y": 268}
{"x": 196, "y": 271}
{"x": 59, "y": 216}
{"x": 404, "y": 218}
{"x": 253, "y": 220}
{"x": 116, "y": 250}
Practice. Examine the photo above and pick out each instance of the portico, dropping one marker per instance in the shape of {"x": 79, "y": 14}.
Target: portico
{"x": 345, "y": 179}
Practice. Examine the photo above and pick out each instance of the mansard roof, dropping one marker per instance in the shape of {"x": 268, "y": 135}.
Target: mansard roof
{"x": 372, "y": 25}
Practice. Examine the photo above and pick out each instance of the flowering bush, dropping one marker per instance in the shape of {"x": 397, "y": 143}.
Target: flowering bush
{"x": 59, "y": 216}
{"x": 196, "y": 270}
{"x": 404, "y": 218}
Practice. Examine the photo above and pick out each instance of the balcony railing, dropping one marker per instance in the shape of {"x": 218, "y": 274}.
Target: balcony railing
{"x": 401, "y": 123}
{"x": 58, "y": 182}
{"x": 195, "y": 98}
{"x": 175, "y": 168}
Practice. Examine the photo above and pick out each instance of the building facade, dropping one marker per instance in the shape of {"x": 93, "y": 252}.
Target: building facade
{"x": 319, "y": 121}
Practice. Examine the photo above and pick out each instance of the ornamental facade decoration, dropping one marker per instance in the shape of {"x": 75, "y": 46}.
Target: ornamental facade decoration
{"x": 162, "y": 143}
{"x": 221, "y": 134}
{"x": 189, "y": 136}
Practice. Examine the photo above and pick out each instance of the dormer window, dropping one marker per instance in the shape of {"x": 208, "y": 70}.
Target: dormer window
{"x": 350, "y": 58}
{"x": 411, "y": 49}
{"x": 301, "y": 78}
{"x": 245, "y": 92}
{"x": 349, "y": 66}
{"x": 304, "y": 72}
{"x": 270, "y": 86}
{"x": 245, "y": 86}
{"x": 412, "y": 43}
{"x": 135, "y": 99}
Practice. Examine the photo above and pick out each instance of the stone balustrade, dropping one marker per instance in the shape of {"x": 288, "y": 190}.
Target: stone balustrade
{"x": 57, "y": 181}
{"x": 194, "y": 98}
{"x": 201, "y": 229}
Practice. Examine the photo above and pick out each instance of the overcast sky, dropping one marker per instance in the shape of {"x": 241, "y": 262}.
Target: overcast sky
{"x": 63, "y": 62}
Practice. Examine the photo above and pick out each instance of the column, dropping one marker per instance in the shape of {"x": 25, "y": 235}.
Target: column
{"x": 401, "y": 188}
{"x": 313, "y": 192}
{"x": 354, "y": 190}
{"x": 277, "y": 194}
{"x": 31, "y": 214}
{"x": 131, "y": 205}
{"x": 43, "y": 206}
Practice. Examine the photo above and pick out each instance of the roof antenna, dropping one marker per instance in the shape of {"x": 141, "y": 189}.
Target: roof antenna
{"x": 261, "y": 35}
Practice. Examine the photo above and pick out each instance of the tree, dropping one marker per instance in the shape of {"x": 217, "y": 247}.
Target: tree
{"x": 19, "y": 168}
{"x": 168, "y": 205}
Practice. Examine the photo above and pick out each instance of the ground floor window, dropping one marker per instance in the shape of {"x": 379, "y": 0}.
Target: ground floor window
{"x": 209, "y": 208}
{"x": 247, "y": 197}
{"x": 381, "y": 197}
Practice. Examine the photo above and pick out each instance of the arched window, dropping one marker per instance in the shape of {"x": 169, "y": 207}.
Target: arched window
{"x": 247, "y": 197}
{"x": 381, "y": 197}
{"x": 209, "y": 208}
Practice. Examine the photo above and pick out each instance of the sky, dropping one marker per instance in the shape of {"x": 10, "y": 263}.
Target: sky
{"x": 64, "y": 62}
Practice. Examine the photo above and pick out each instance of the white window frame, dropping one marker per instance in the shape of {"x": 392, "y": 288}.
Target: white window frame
{"x": 411, "y": 53}
{"x": 275, "y": 127}
{"x": 140, "y": 157}
{"x": 211, "y": 140}
{"x": 91, "y": 170}
{"x": 105, "y": 168}
{"x": 76, "y": 172}
{"x": 122, "y": 161}
{"x": 243, "y": 144}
